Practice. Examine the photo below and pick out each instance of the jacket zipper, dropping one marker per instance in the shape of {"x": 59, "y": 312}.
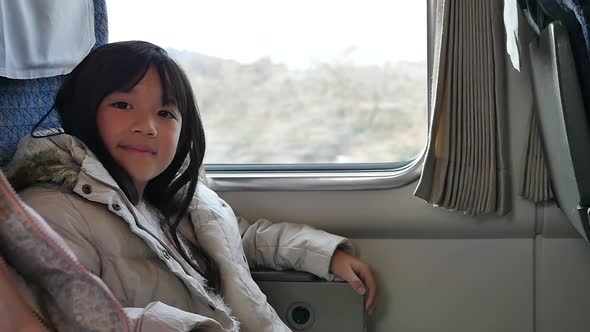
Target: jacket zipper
{"x": 13, "y": 196}
{"x": 137, "y": 223}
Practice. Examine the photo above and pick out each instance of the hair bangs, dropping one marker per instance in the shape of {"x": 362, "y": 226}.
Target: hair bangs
{"x": 124, "y": 67}
{"x": 174, "y": 85}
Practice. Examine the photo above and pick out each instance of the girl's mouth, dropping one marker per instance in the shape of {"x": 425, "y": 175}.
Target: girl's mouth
{"x": 138, "y": 149}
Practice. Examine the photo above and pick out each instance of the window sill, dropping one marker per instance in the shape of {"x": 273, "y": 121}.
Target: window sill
{"x": 367, "y": 179}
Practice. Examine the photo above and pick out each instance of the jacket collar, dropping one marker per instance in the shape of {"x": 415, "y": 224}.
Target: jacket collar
{"x": 65, "y": 161}
{"x": 55, "y": 159}
{"x": 62, "y": 160}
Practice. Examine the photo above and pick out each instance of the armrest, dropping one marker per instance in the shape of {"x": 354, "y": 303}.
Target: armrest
{"x": 308, "y": 303}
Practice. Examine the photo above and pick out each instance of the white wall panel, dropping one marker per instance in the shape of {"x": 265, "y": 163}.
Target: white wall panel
{"x": 563, "y": 287}
{"x": 452, "y": 285}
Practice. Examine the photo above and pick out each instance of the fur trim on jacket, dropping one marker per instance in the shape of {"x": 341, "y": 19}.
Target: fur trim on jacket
{"x": 45, "y": 167}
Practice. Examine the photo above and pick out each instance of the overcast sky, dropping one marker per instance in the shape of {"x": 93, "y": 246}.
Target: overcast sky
{"x": 294, "y": 32}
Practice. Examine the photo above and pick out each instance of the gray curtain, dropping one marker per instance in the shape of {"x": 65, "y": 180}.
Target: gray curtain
{"x": 535, "y": 184}
{"x": 466, "y": 161}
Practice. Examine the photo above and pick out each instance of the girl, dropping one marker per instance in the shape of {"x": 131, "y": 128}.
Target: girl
{"x": 122, "y": 187}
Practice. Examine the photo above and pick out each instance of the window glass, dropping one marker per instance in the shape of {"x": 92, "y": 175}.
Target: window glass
{"x": 285, "y": 82}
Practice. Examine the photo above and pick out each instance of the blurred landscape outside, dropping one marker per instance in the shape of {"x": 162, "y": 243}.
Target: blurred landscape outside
{"x": 338, "y": 105}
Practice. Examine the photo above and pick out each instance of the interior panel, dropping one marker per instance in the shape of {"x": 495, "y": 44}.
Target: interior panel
{"x": 562, "y": 289}
{"x": 452, "y": 285}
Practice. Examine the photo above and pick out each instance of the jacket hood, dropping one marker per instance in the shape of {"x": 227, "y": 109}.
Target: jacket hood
{"x": 56, "y": 160}
{"x": 45, "y": 167}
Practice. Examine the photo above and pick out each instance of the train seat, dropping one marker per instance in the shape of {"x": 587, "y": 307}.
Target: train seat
{"x": 563, "y": 121}
{"x": 24, "y": 102}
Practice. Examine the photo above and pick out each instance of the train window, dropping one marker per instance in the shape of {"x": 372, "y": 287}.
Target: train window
{"x": 296, "y": 82}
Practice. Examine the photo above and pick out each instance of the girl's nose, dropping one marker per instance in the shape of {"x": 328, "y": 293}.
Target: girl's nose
{"x": 144, "y": 125}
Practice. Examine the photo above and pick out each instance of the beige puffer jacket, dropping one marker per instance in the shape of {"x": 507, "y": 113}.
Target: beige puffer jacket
{"x": 160, "y": 291}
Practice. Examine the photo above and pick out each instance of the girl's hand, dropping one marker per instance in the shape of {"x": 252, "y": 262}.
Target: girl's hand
{"x": 358, "y": 274}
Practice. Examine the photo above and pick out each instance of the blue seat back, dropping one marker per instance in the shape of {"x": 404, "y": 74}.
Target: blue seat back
{"x": 24, "y": 102}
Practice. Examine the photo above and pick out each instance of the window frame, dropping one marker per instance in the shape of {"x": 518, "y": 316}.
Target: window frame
{"x": 268, "y": 178}
{"x": 326, "y": 177}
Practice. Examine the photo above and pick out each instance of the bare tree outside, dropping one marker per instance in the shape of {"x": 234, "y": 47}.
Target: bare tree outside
{"x": 335, "y": 112}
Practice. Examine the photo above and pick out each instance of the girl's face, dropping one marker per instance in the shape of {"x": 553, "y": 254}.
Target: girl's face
{"x": 138, "y": 131}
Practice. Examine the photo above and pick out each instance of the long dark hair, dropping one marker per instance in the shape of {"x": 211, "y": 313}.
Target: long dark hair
{"x": 119, "y": 67}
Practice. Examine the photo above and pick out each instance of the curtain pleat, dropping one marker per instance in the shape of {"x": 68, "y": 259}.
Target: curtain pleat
{"x": 454, "y": 105}
{"x": 535, "y": 183}
{"x": 503, "y": 200}
{"x": 470, "y": 121}
{"x": 466, "y": 164}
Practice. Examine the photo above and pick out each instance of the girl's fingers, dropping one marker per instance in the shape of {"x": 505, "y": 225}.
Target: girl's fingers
{"x": 366, "y": 275}
{"x": 353, "y": 280}
{"x": 358, "y": 274}
{"x": 370, "y": 301}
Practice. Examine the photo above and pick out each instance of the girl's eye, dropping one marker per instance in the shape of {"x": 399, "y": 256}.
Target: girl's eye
{"x": 121, "y": 105}
{"x": 166, "y": 114}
